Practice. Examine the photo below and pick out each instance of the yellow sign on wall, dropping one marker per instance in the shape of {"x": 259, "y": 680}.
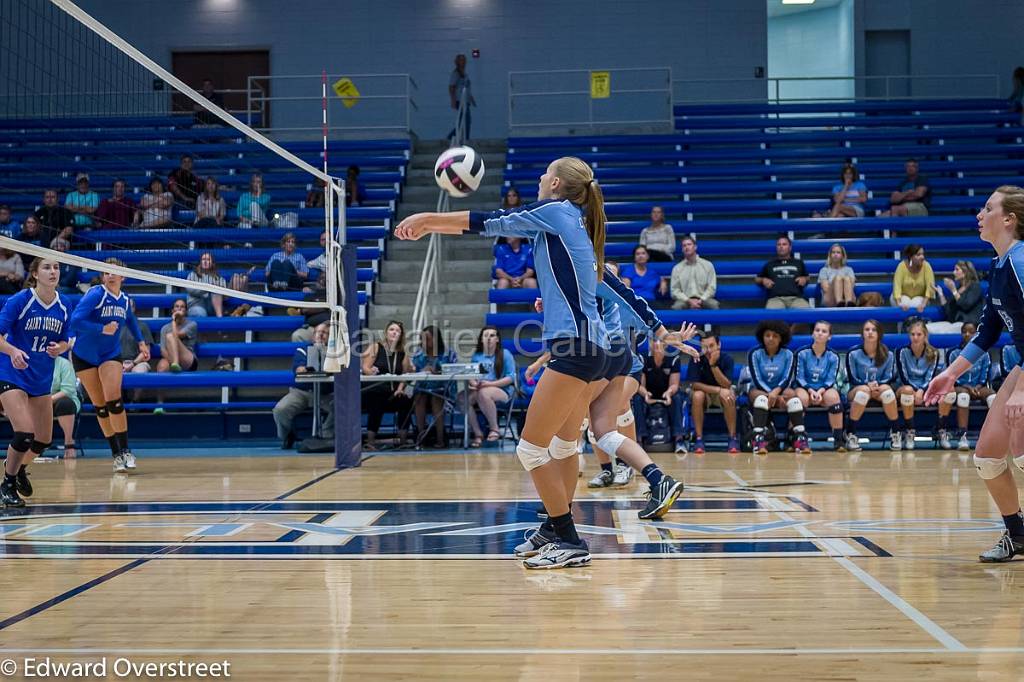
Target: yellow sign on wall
{"x": 600, "y": 85}
{"x": 347, "y": 91}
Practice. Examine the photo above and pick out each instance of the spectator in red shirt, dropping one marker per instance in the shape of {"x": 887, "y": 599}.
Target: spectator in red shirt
{"x": 117, "y": 211}
{"x": 184, "y": 184}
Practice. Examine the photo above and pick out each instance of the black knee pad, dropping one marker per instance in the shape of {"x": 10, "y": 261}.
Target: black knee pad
{"x": 102, "y": 412}
{"x": 836, "y": 409}
{"x": 39, "y": 447}
{"x": 115, "y": 406}
{"x": 22, "y": 441}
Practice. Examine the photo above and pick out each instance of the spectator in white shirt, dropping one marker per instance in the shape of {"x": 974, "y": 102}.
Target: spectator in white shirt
{"x": 694, "y": 281}
{"x": 658, "y": 237}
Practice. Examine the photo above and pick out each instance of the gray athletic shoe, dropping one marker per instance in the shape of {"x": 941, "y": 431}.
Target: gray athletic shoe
{"x": 908, "y": 439}
{"x": 623, "y": 475}
{"x": 1007, "y": 548}
{"x": 944, "y": 442}
{"x": 560, "y": 555}
{"x": 895, "y": 441}
{"x": 660, "y": 498}
{"x": 963, "y": 445}
{"x": 602, "y": 480}
{"x": 129, "y": 460}
{"x": 119, "y": 464}
{"x": 533, "y": 542}
{"x": 853, "y": 443}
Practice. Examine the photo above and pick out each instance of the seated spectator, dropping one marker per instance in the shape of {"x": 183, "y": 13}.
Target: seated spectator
{"x": 9, "y": 227}
{"x": 203, "y": 115}
{"x": 69, "y": 274}
{"x": 918, "y": 363}
{"x": 202, "y": 303}
{"x": 644, "y": 281}
{"x": 313, "y": 316}
{"x": 354, "y": 192}
{"x": 178, "y": 341}
{"x": 83, "y": 202}
{"x": 53, "y": 219}
{"x": 965, "y": 300}
{"x": 659, "y": 384}
{"x": 132, "y": 361}
{"x": 710, "y": 380}
{"x": 913, "y": 196}
{"x": 31, "y": 233}
{"x": 66, "y": 402}
{"x": 317, "y": 195}
{"x": 254, "y": 205}
{"x": 513, "y": 264}
{"x": 496, "y": 388}
{"x": 210, "y": 205}
{"x": 428, "y": 358}
{"x": 694, "y": 281}
{"x": 117, "y": 211}
{"x": 849, "y": 195}
{"x": 12, "y": 272}
{"x": 300, "y": 396}
{"x": 511, "y": 198}
{"x": 659, "y": 238}
{"x": 286, "y": 269}
{"x": 155, "y": 206}
{"x": 972, "y": 386}
{"x": 784, "y": 278}
{"x": 771, "y": 367}
{"x": 836, "y": 280}
{"x": 913, "y": 285}
{"x": 871, "y": 373}
{"x": 386, "y": 356}
{"x": 184, "y": 184}
{"x": 240, "y": 282}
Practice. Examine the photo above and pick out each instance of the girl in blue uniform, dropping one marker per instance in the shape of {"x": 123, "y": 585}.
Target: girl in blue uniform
{"x": 871, "y": 371}
{"x": 1001, "y": 224}
{"x": 96, "y": 323}
{"x": 973, "y": 385}
{"x": 771, "y": 371}
{"x": 567, "y": 228}
{"x": 817, "y": 370}
{"x": 34, "y": 329}
{"x": 917, "y": 363}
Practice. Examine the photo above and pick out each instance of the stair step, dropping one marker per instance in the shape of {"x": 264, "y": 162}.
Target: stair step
{"x": 483, "y": 145}
{"x": 465, "y": 297}
{"x": 492, "y": 160}
{"x": 410, "y": 288}
{"x": 454, "y": 323}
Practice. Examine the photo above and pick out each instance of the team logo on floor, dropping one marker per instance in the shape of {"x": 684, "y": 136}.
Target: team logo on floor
{"x": 415, "y": 529}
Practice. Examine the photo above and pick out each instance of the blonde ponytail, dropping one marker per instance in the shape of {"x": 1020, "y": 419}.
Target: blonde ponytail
{"x": 579, "y": 186}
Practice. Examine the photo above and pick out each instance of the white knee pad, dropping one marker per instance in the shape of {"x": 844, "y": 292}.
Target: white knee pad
{"x": 591, "y": 437}
{"x": 532, "y": 456}
{"x": 888, "y": 396}
{"x": 1019, "y": 461}
{"x": 861, "y": 397}
{"x": 611, "y": 442}
{"x": 794, "y": 405}
{"x": 963, "y": 400}
{"x": 625, "y": 419}
{"x": 906, "y": 399}
{"x": 989, "y": 468}
{"x": 991, "y": 399}
{"x": 761, "y": 402}
{"x": 561, "y": 449}
{"x": 950, "y": 398}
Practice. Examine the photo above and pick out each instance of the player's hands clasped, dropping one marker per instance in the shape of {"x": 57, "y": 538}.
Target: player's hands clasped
{"x": 110, "y": 328}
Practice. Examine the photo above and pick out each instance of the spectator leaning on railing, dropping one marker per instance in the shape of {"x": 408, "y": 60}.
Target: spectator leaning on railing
{"x": 694, "y": 281}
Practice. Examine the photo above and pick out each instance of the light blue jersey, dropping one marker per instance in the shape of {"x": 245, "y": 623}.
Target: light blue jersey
{"x": 97, "y": 308}
{"x": 625, "y": 315}
{"x": 816, "y": 371}
{"x": 917, "y": 371}
{"x": 1010, "y": 358}
{"x": 861, "y": 368}
{"x": 30, "y": 325}
{"x": 564, "y": 258}
{"x": 978, "y": 374}
{"x": 768, "y": 372}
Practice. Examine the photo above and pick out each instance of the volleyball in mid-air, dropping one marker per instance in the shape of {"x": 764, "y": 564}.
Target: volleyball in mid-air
{"x": 459, "y": 171}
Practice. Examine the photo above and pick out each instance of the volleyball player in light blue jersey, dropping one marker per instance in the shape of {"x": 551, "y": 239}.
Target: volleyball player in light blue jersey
{"x": 917, "y": 363}
{"x": 567, "y": 226}
{"x": 817, "y": 371}
{"x": 96, "y": 323}
{"x": 1001, "y": 224}
{"x": 33, "y": 331}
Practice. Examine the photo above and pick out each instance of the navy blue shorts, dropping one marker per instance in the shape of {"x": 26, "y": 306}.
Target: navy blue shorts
{"x": 620, "y": 362}
{"x": 577, "y": 358}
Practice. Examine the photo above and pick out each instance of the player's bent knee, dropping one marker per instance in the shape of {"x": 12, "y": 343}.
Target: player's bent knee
{"x": 22, "y": 441}
{"x": 532, "y": 456}
{"x": 611, "y": 442}
{"x": 861, "y": 397}
{"x": 888, "y": 396}
{"x": 989, "y": 467}
{"x": 115, "y": 406}
{"x": 836, "y": 409}
{"x": 39, "y": 447}
{"x": 963, "y": 399}
{"x": 561, "y": 449}
{"x": 950, "y": 398}
{"x": 906, "y": 399}
{"x": 794, "y": 405}
{"x": 102, "y": 412}
{"x": 625, "y": 419}
{"x": 761, "y": 402}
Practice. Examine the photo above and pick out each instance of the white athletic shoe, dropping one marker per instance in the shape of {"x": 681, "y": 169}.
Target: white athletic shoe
{"x": 129, "y": 461}
{"x": 895, "y": 441}
{"x": 602, "y": 480}
{"x": 908, "y": 439}
{"x": 119, "y": 464}
{"x": 944, "y": 440}
{"x": 853, "y": 443}
{"x": 559, "y": 555}
{"x": 623, "y": 475}
{"x": 963, "y": 445}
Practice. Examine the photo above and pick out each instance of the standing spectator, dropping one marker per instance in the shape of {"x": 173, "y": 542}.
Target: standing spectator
{"x": 9, "y": 227}
{"x": 913, "y": 196}
{"x": 155, "y": 206}
{"x": 659, "y": 237}
{"x": 965, "y": 300}
{"x": 203, "y": 115}
{"x": 286, "y": 269}
{"x": 836, "y": 280}
{"x": 850, "y": 195}
{"x": 771, "y": 367}
{"x": 459, "y": 87}
{"x": 317, "y": 194}
{"x": 210, "y": 205}
{"x": 184, "y": 184}
{"x": 178, "y": 341}
{"x": 511, "y": 198}
{"x": 69, "y": 274}
{"x": 784, "y": 278}
{"x": 83, "y": 202}
{"x": 645, "y": 282}
{"x": 66, "y": 402}
{"x": 254, "y": 204}
{"x": 496, "y": 388}
{"x": 354, "y": 193}
{"x": 54, "y": 219}
{"x": 386, "y": 356}
{"x": 12, "y": 272}
{"x": 300, "y": 396}
{"x": 429, "y": 358}
{"x": 659, "y": 383}
{"x": 513, "y": 264}
{"x": 913, "y": 285}
{"x": 694, "y": 281}
{"x": 117, "y": 211}
{"x": 202, "y": 303}
{"x": 31, "y": 233}
{"x": 710, "y": 379}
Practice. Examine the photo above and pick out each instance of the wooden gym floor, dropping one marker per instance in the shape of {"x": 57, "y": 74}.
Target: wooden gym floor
{"x": 783, "y": 567}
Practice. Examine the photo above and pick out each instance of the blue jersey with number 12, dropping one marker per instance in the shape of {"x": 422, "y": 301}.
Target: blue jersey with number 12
{"x": 31, "y": 325}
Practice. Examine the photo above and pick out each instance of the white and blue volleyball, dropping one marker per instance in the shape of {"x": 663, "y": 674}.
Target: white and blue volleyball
{"x": 459, "y": 171}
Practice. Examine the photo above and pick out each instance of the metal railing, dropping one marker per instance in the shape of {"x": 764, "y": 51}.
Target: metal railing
{"x": 293, "y": 103}
{"x": 562, "y": 98}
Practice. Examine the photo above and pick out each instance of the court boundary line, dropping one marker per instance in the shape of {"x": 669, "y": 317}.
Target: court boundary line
{"x": 305, "y": 485}
{"x": 936, "y": 631}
